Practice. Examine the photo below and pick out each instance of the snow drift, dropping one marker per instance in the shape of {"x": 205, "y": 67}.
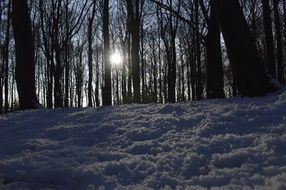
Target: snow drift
{"x": 217, "y": 144}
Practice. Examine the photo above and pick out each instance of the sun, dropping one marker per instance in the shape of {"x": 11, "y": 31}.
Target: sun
{"x": 116, "y": 59}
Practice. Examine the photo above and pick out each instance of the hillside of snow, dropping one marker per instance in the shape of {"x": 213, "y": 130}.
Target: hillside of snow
{"x": 237, "y": 143}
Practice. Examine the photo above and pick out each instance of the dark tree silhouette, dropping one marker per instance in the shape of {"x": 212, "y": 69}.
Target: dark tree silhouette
{"x": 215, "y": 82}
{"x": 90, "y": 52}
{"x": 134, "y": 27}
{"x": 251, "y": 76}
{"x": 6, "y": 57}
{"x": 171, "y": 52}
{"x": 269, "y": 38}
{"x": 277, "y": 20}
{"x": 107, "y": 97}
{"x": 25, "y": 65}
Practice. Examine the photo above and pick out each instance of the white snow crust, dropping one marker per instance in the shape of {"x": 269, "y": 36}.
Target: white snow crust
{"x": 236, "y": 143}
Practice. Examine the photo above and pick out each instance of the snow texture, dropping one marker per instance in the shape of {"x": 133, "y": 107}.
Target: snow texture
{"x": 236, "y": 143}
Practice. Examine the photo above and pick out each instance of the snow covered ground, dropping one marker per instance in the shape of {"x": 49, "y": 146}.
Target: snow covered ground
{"x": 218, "y": 144}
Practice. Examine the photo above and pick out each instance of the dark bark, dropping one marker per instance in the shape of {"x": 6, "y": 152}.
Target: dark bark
{"x": 1, "y": 76}
{"x": 160, "y": 74}
{"x": 25, "y": 65}
{"x": 183, "y": 98}
{"x": 97, "y": 103}
{"x": 277, "y": 20}
{"x": 1, "y": 66}
{"x": 215, "y": 82}
{"x": 253, "y": 17}
{"x": 134, "y": 27}
{"x": 252, "y": 78}
{"x": 79, "y": 76}
{"x": 129, "y": 86}
{"x": 58, "y": 94}
{"x": 172, "y": 73}
{"x": 188, "y": 65}
{"x": 50, "y": 84}
{"x": 58, "y": 67}
{"x": 7, "y": 42}
{"x": 90, "y": 52}
{"x": 193, "y": 69}
{"x": 199, "y": 81}
{"x": 90, "y": 66}
{"x": 168, "y": 34}
{"x": 58, "y": 91}
{"x": 48, "y": 54}
{"x": 117, "y": 88}
{"x": 270, "y": 58}
{"x": 107, "y": 97}
{"x": 155, "y": 73}
{"x": 284, "y": 32}
{"x": 143, "y": 68}
{"x": 123, "y": 80}
{"x": 66, "y": 55}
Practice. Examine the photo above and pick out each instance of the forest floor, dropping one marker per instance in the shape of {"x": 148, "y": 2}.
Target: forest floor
{"x": 235, "y": 143}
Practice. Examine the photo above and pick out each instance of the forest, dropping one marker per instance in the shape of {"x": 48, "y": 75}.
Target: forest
{"x": 142, "y": 94}
{"x": 78, "y": 53}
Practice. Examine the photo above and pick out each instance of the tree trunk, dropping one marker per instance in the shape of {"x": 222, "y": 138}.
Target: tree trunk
{"x": 66, "y": 56}
{"x": 172, "y": 73}
{"x": 215, "y": 83}
{"x": 97, "y": 103}
{"x": 129, "y": 87}
{"x": 270, "y": 58}
{"x": 25, "y": 65}
{"x": 90, "y": 52}
{"x": 284, "y": 16}
{"x": 1, "y": 76}
{"x": 7, "y": 42}
{"x": 193, "y": 69}
{"x": 123, "y": 80}
{"x": 252, "y": 78}
{"x": 199, "y": 81}
{"x": 155, "y": 73}
{"x": 160, "y": 73}
{"x": 107, "y": 96}
{"x": 134, "y": 26}
{"x": 280, "y": 71}
{"x": 50, "y": 74}
{"x": 90, "y": 65}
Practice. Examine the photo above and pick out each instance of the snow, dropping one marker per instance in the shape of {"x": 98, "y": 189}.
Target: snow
{"x": 236, "y": 143}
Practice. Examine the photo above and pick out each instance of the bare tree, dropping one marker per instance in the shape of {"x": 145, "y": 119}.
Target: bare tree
{"x": 252, "y": 78}
{"x": 25, "y": 65}
{"x": 133, "y": 8}
{"x": 90, "y": 53}
{"x": 215, "y": 84}
{"x": 269, "y": 38}
{"x": 107, "y": 95}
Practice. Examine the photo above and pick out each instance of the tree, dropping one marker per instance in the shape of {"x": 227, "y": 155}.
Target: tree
{"x": 199, "y": 82}
{"x": 2, "y": 63}
{"x": 6, "y": 57}
{"x": 252, "y": 78}
{"x": 90, "y": 52}
{"x": 25, "y": 65}
{"x": 168, "y": 34}
{"x": 277, "y": 20}
{"x": 215, "y": 82}
{"x": 134, "y": 27}
{"x": 107, "y": 96}
{"x": 269, "y": 38}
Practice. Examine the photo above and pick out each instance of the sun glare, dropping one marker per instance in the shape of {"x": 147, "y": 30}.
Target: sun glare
{"x": 116, "y": 59}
